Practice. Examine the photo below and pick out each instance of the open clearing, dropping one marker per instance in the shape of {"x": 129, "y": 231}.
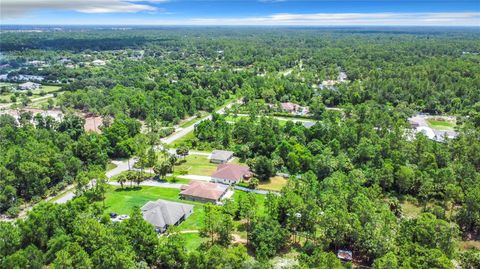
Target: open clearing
{"x": 410, "y": 210}
{"x": 441, "y": 123}
{"x": 274, "y": 184}
{"x": 470, "y": 244}
{"x": 195, "y": 165}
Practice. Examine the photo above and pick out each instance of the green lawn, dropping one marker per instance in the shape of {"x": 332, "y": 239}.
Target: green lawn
{"x": 122, "y": 201}
{"x": 192, "y": 121}
{"x": 259, "y": 197}
{"x": 46, "y": 89}
{"x": 183, "y": 139}
{"x": 193, "y": 240}
{"x": 440, "y": 124}
{"x": 111, "y": 166}
{"x": 274, "y": 184}
{"x": 196, "y": 165}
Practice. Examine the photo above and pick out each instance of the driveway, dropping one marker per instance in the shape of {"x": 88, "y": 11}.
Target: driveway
{"x": 196, "y": 177}
{"x": 263, "y": 192}
{"x": 150, "y": 183}
{"x": 65, "y": 198}
{"x": 181, "y": 132}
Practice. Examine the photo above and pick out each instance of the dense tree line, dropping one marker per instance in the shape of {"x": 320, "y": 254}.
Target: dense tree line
{"x": 41, "y": 155}
{"x": 350, "y": 173}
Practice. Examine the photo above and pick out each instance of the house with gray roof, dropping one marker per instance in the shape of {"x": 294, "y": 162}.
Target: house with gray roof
{"x": 162, "y": 213}
{"x": 221, "y": 156}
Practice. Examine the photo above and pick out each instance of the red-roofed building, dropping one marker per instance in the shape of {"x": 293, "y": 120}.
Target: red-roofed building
{"x": 230, "y": 173}
{"x": 204, "y": 192}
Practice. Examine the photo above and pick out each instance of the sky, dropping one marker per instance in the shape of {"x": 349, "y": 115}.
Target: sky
{"x": 242, "y": 12}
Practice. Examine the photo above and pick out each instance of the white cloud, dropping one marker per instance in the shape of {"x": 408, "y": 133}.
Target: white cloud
{"x": 18, "y": 8}
{"x": 333, "y": 19}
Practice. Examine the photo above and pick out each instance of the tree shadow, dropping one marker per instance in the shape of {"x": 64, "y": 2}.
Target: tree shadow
{"x": 126, "y": 189}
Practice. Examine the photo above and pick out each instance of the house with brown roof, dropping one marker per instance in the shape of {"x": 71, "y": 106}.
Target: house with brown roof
{"x": 204, "y": 192}
{"x": 230, "y": 173}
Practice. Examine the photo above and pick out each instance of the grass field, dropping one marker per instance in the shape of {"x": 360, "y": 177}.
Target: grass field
{"x": 35, "y": 93}
{"x": 440, "y": 124}
{"x": 410, "y": 210}
{"x": 188, "y": 123}
{"x": 192, "y": 240}
{"x": 275, "y": 184}
{"x": 111, "y": 166}
{"x": 196, "y": 165}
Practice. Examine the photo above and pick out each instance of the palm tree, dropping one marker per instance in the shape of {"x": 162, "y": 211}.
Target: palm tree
{"x": 122, "y": 178}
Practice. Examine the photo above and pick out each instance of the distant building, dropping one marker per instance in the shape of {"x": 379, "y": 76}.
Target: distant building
{"x": 342, "y": 77}
{"x": 36, "y": 63}
{"x": 221, "y": 156}
{"x": 293, "y": 108}
{"x": 204, "y": 192}
{"x": 345, "y": 255}
{"x": 289, "y": 107}
{"x": 231, "y": 173}
{"x": 163, "y": 214}
{"x": 419, "y": 124}
{"x": 93, "y": 124}
{"x": 99, "y": 62}
{"x": 29, "y": 86}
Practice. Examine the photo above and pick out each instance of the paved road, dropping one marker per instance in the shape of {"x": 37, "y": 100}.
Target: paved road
{"x": 150, "y": 183}
{"x": 128, "y": 164}
{"x": 196, "y": 177}
{"x": 263, "y": 192}
{"x": 65, "y": 198}
{"x": 284, "y": 118}
{"x": 121, "y": 166}
{"x": 191, "y": 152}
{"x": 50, "y": 95}
{"x": 181, "y": 132}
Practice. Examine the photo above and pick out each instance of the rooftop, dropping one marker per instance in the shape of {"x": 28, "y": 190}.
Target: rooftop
{"x": 234, "y": 172}
{"x": 161, "y": 213}
{"x": 205, "y": 190}
{"x": 221, "y": 155}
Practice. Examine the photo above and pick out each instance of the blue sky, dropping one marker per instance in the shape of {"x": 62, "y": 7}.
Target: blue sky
{"x": 242, "y": 12}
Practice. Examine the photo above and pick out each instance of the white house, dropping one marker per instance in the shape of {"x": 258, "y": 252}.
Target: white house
{"x": 29, "y": 86}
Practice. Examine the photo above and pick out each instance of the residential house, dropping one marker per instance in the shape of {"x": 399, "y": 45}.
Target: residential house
{"x": 163, "y": 214}
{"x": 293, "y": 108}
{"x": 204, "y": 192}
{"x": 99, "y": 62}
{"x": 221, "y": 156}
{"x": 230, "y": 174}
{"x": 345, "y": 255}
{"x": 29, "y": 86}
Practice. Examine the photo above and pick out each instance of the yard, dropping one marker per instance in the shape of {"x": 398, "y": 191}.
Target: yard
{"x": 260, "y": 207}
{"x": 195, "y": 165}
{"x": 6, "y": 97}
{"x": 274, "y": 184}
{"x": 441, "y": 123}
{"x": 122, "y": 201}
